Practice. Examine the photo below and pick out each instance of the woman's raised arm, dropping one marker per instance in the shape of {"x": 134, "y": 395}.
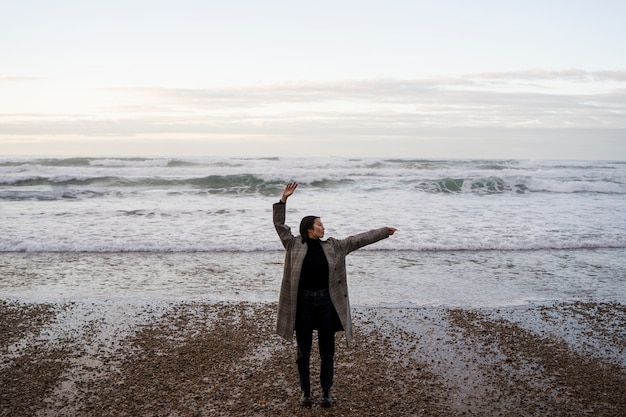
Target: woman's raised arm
{"x": 290, "y": 188}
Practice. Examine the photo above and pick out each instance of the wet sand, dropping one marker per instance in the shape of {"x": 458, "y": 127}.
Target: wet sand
{"x": 207, "y": 359}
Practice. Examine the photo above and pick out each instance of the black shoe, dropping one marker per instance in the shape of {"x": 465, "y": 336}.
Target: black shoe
{"x": 305, "y": 399}
{"x": 327, "y": 399}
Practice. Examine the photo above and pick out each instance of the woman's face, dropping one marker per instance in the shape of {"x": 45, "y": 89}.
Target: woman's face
{"x": 317, "y": 231}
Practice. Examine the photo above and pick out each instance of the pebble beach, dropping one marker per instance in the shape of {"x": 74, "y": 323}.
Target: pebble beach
{"x": 223, "y": 359}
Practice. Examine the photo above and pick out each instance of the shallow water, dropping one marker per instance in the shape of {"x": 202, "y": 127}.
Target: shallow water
{"x": 376, "y": 278}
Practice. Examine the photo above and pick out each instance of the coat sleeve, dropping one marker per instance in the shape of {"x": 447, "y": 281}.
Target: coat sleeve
{"x": 284, "y": 231}
{"x": 357, "y": 241}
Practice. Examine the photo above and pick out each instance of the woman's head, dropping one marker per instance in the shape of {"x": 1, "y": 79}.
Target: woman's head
{"x": 311, "y": 227}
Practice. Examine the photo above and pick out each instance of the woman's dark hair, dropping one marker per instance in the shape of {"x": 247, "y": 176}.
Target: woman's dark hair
{"x": 305, "y": 224}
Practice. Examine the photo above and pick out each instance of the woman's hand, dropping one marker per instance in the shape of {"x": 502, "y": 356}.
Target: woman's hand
{"x": 289, "y": 189}
{"x": 392, "y": 230}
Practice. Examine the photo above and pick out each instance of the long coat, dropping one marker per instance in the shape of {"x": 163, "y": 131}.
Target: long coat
{"x": 335, "y": 251}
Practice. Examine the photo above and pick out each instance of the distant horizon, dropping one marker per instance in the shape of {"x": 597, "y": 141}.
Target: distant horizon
{"x": 277, "y": 157}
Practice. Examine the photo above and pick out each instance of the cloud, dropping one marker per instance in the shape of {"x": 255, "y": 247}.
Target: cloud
{"x": 571, "y": 75}
{"x": 507, "y": 86}
{"x": 487, "y": 105}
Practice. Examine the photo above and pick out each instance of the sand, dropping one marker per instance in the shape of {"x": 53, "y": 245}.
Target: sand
{"x": 208, "y": 359}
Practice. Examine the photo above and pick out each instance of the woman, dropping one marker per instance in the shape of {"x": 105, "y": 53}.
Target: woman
{"x": 314, "y": 291}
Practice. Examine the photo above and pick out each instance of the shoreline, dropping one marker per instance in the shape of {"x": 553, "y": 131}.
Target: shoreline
{"x": 223, "y": 359}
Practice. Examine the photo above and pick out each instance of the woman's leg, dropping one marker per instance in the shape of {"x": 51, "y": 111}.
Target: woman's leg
{"x": 326, "y": 336}
{"x": 304, "y": 338}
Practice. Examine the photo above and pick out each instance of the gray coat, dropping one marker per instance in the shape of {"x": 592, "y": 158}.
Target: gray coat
{"x": 335, "y": 251}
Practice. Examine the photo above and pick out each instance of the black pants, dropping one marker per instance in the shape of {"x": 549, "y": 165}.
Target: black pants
{"x": 315, "y": 311}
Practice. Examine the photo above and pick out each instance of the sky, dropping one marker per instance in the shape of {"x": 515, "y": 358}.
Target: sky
{"x": 420, "y": 79}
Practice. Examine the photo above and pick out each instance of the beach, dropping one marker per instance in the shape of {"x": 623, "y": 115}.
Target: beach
{"x": 223, "y": 359}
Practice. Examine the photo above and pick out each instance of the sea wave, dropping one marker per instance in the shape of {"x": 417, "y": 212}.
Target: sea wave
{"x": 49, "y": 195}
{"x": 243, "y": 182}
{"x": 520, "y": 185}
{"x": 65, "y": 186}
{"x": 128, "y": 162}
{"x": 45, "y": 187}
{"x": 374, "y": 163}
{"x": 220, "y": 205}
{"x": 84, "y": 162}
{"x": 191, "y": 247}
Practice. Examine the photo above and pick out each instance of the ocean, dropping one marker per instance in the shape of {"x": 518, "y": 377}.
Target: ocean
{"x": 476, "y": 233}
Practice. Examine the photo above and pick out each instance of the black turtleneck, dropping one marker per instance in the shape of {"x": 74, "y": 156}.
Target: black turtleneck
{"x": 314, "y": 273}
